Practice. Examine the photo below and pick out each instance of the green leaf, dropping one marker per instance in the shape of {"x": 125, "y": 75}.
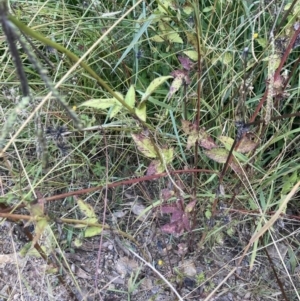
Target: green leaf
{"x": 130, "y": 96}
{"x": 192, "y": 54}
{"x": 217, "y": 154}
{"x": 27, "y": 250}
{"x": 262, "y": 42}
{"x": 116, "y": 108}
{"x": 159, "y": 103}
{"x": 174, "y": 38}
{"x": 99, "y": 103}
{"x": 226, "y": 141}
{"x": 92, "y": 231}
{"x": 153, "y": 86}
{"x": 292, "y": 259}
{"x": 39, "y": 229}
{"x": 289, "y": 182}
{"x": 168, "y": 154}
{"x": 157, "y": 38}
{"x": 144, "y": 145}
{"x": 208, "y": 9}
{"x": 187, "y": 9}
{"x": 208, "y": 214}
{"x": 140, "y": 111}
{"x": 165, "y": 3}
{"x": 220, "y": 155}
{"x": 86, "y": 209}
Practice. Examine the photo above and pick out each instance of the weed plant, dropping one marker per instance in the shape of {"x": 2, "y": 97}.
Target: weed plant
{"x": 192, "y": 106}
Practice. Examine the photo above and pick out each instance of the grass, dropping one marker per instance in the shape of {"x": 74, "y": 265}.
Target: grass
{"x": 144, "y": 109}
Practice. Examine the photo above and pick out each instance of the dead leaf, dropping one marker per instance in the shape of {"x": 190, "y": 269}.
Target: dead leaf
{"x": 166, "y": 194}
{"x": 7, "y": 258}
{"x": 81, "y": 273}
{"x": 144, "y": 145}
{"x": 186, "y": 63}
{"x": 188, "y": 268}
{"x": 120, "y": 213}
{"x": 204, "y": 139}
{"x": 155, "y": 167}
{"x": 246, "y": 145}
{"x": 126, "y": 266}
{"x": 138, "y": 209}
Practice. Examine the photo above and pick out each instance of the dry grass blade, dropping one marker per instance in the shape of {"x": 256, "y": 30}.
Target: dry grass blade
{"x": 271, "y": 222}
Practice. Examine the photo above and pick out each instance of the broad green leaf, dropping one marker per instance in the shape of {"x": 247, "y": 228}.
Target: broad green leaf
{"x": 174, "y": 38}
{"x": 141, "y": 111}
{"x": 99, "y": 103}
{"x": 27, "y": 250}
{"x": 220, "y": 155}
{"x": 144, "y": 144}
{"x": 226, "y": 141}
{"x": 192, "y": 54}
{"x": 165, "y": 3}
{"x": 92, "y": 231}
{"x": 214, "y": 60}
{"x": 168, "y": 154}
{"x": 157, "y": 38}
{"x": 153, "y": 86}
{"x": 39, "y": 229}
{"x": 130, "y": 96}
{"x": 187, "y": 9}
{"x": 163, "y": 26}
{"x": 262, "y": 42}
{"x": 86, "y": 209}
{"x": 116, "y": 108}
{"x": 208, "y": 214}
{"x": 217, "y": 154}
{"x": 246, "y": 145}
{"x": 207, "y": 9}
